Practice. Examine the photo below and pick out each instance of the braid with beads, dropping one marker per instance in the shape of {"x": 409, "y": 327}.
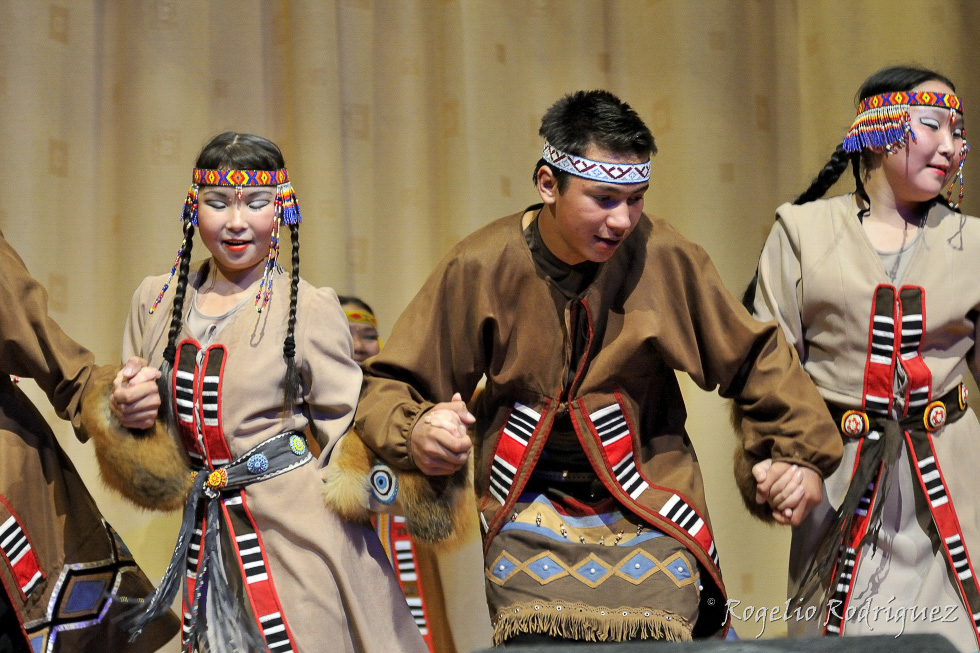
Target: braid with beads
{"x": 176, "y": 323}
{"x": 828, "y": 176}
{"x": 291, "y": 382}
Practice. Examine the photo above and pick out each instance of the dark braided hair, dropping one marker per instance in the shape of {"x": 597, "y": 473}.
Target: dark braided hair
{"x": 893, "y": 79}
{"x": 236, "y": 151}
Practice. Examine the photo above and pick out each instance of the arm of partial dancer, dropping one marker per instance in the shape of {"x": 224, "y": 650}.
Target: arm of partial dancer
{"x": 411, "y": 411}
{"x": 135, "y": 399}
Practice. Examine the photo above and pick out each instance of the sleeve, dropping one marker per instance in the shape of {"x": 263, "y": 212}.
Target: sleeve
{"x": 778, "y": 290}
{"x": 779, "y": 413}
{"x": 32, "y": 345}
{"x": 330, "y": 377}
{"x": 132, "y": 342}
{"x": 436, "y": 348}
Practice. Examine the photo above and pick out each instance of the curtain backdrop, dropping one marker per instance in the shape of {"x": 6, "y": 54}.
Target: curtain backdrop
{"x": 407, "y": 124}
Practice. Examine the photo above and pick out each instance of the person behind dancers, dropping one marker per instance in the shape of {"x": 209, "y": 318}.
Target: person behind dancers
{"x": 252, "y": 356}
{"x": 578, "y": 311}
{"x": 877, "y": 291}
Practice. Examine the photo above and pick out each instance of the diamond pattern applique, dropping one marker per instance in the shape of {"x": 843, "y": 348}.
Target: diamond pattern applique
{"x": 503, "y": 568}
{"x": 544, "y": 569}
{"x": 637, "y": 568}
{"x": 592, "y": 571}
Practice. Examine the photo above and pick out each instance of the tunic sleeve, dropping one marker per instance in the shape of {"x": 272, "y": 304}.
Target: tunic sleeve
{"x": 435, "y": 350}
{"x": 132, "y": 343}
{"x": 330, "y": 377}
{"x": 712, "y": 337}
{"x": 778, "y": 293}
{"x": 32, "y": 345}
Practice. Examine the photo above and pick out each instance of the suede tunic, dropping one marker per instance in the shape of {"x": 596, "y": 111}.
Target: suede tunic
{"x": 655, "y": 307}
{"x": 335, "y": 585}
{"x": 818, "y": 276}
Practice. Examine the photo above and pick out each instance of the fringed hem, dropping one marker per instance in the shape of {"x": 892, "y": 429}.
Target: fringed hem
{"x": 589, "y": 623}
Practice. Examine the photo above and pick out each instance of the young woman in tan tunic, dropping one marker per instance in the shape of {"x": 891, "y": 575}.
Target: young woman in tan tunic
{"x": 878, "y": 291}
{"x": 264, "y": 566}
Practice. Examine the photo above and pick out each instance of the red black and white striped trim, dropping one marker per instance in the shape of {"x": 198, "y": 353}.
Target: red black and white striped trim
{"x": 614, "y": 435}
{"x": 19, "y": 554}
{"x": 516, "y": 433}
{"x": 932, "y": 482}
{"x": 685, "y": 517}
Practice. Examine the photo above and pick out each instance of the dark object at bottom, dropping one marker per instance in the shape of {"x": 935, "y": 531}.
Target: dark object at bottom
{"x": 918, "y": 643}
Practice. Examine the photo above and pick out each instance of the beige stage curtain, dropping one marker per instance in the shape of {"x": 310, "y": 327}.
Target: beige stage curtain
{"x": 407, "y": 124}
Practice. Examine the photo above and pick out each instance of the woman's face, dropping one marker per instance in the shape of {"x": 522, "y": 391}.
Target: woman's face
{"x": 921, "y": 170}
{"x": 237, "y": 232}
{"x": 365, "y": 336}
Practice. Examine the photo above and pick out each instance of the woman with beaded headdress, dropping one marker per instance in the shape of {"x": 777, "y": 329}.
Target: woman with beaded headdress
{"x": 250, "y": 358}
{"x": 877, "y": 290}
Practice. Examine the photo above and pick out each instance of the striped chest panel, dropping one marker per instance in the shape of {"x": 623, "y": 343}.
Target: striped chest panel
{"x": 401, "y": 552}
{"x": 913, "y": 313}
{"x": 880, "y": 367}
{"x": 196, "y": 387}
{"x": 686, "y": 518}
{"x": 18, "y": 552}
{"x": 511, "y": 449}
{"x": 895, "y": 338}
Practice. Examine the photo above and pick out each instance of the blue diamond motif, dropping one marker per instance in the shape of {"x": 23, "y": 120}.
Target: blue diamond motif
{"x": 85, "y": 595}
{"x": 257, "y": 463}
{"x": 592, "y": 570}
{"x": 502, "y": 568}
{"x": 544, "y": 568}
{"x": 678, "y": 568}
{"x": 37, "y": 644}
{"x": 637, "y": 566}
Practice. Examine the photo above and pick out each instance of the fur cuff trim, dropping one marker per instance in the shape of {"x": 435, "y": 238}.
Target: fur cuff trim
{"x": 439, "y": 511}
{"x": 147, "y": 467}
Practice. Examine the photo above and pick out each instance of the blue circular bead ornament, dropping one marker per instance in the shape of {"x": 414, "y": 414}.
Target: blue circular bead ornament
{"x": 257, "y": 463}
{"x": 297, "y": 444}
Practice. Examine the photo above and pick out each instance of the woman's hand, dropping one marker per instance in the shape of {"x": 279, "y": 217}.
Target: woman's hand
{"x": 439, "y": 441}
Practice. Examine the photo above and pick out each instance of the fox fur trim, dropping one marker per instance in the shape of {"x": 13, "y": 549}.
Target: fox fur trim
{"x": 439, "y": 511}
{"x": 744, "y": 461}
{"x": 146, "y": 466}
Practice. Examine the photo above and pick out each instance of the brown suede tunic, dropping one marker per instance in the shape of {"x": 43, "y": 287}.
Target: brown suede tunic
{"x": 658, "y": 305}
{"x": 60, "y": 560}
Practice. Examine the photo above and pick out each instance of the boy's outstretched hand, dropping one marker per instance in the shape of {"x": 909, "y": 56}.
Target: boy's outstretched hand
{"x": 792, "y": 491}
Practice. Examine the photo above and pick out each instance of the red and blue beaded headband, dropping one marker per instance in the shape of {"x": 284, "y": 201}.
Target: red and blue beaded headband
{"x": 613, "y": 173}
{"x": 286, "y": 210}
{"x": 883, "y": 121}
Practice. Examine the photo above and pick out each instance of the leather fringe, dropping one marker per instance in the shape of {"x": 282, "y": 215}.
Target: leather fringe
{"x": 587, "y": 623}
{"x": 147, "y": 467}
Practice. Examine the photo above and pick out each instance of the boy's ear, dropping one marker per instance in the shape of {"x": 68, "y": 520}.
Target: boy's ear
{"x": 547, "y": 185}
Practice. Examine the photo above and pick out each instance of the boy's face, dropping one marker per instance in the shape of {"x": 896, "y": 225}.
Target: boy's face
{"x": 589, "y": 220}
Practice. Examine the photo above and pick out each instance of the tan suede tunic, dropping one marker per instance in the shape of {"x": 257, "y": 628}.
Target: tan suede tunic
{"x": 817, "y": 277}
{"x": 336, "y": 586}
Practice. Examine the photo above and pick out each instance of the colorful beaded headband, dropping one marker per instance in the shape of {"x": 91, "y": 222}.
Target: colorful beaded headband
{"x": 286, "y": 210}
{"x": 613, "y": 173}
{"x": 883, "y": 121}
{"x": 361, "y": 317}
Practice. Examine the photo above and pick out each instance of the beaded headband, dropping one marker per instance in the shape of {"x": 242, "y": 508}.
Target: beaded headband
{"x": 361, "y": 317}
{"x": 883, "y": 121}
{"x": 286, "y": 210}
{"x": 613, "y": 173}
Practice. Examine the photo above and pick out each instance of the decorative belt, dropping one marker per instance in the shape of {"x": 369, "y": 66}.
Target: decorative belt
{"x": 936, "y": 414}
{"x": 563, "y": 476}
{"x": 273, "y": 457}
{"x": 839, "y": 551}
